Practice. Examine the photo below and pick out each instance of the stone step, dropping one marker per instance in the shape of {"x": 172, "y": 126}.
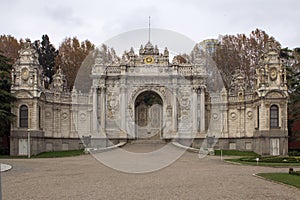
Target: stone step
{"x": 148, "y": 141}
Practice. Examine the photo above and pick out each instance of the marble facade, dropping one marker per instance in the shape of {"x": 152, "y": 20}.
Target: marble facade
{"x": 145, "y": 96}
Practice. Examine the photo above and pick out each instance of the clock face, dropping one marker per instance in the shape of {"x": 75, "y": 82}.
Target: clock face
{"x": 25, "y": 74}
{"x": 149, "y": 59}
{"x": 273, "y": 74}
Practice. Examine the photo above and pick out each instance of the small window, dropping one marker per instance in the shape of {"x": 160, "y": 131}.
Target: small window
{"x": 232, "y": 145}
{"x": 248, "y": 145}
{"x": 23, "y": 116}
{"x": 274, "y": 117}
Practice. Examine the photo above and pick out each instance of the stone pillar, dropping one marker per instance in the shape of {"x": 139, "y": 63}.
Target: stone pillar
{"x": 255, "y": 115}
{"x": 123, "y": 100}
{"x": 123, "y": 109}
{"x": 263, "y": 121}
{"x": 285, "y": 118}
{"x": 225, "y": 125}
{"x": 175, "y": 105}
{"x": 72, "y": 118}
{"x": 35, "y": 116}
{"x": 75, "y": 122}
{"x": 194, "y": 110}
{"x": 56, "y": 121}
{"x": 103, "y": 109}
{"x": 242, "y": 120}
{"x": 202, "y": 110}
{"x": 174, "y": 109}
{"x": 94, "y": 115}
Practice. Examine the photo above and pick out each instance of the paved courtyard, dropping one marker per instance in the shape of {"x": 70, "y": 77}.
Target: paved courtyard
{"x": 83, "y": 177}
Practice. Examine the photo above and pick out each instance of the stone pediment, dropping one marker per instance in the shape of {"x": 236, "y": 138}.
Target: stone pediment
{"x": 27, "y": 54}
{"x": 23, "y": 94}
{"x": 42, "y": 97}
{"x": 274, "y": 95}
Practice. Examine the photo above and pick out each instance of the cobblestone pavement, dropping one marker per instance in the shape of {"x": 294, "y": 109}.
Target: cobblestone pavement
{"x": 83, "y": 177}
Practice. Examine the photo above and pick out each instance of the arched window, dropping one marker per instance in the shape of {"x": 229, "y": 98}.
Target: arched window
{"x": 23, "y": 116}
{"x": 274, "y": 117}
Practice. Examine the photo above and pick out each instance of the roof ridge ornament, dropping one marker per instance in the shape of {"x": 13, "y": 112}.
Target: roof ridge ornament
{"x": 149, "y": 29}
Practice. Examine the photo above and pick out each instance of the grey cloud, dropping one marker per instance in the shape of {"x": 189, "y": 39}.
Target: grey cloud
{"x": 100, "y": 20}
{"x": 63, "y": 15}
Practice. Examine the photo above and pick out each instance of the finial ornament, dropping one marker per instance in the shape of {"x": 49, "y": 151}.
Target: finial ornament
{"x": 149, "y": 30}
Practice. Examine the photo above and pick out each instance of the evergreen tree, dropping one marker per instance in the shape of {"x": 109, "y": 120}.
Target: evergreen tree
{"x": 47, "y": 54}
{"x": 292, "y": 64}
{"x": 6, "y": 98}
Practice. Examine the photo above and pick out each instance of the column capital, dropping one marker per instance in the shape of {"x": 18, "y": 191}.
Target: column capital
{"x": 95, "y": 88}
{"x": 196, "y": 88}
{"x": 102, "y": 89}
{"x": 123, "y": 88}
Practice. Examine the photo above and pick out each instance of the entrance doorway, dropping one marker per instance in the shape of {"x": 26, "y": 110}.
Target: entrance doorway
{"x": 148, "y": 115}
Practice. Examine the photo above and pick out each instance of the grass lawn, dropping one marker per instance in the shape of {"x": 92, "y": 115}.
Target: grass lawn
{"x": 51, "y": 154}
{"x": 55, "y": 154}
{"x": 246, "y": 161}
{"x": 11, "y": 157}
{"x": 286, "y": 178}
{"x": 235, "y": 153}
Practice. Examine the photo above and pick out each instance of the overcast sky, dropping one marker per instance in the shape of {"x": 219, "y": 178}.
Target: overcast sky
{"x": 98, "y": 21}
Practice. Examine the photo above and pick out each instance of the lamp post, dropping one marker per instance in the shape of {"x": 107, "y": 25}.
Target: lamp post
{"x": 257, "y": 159}
{"x": 28, "y": 143}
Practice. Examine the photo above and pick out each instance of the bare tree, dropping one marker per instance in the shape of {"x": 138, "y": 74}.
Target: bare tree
{"x": 241, "y": 53}
{"x": 71, "y": 56}
{"x": 9, "y": 46}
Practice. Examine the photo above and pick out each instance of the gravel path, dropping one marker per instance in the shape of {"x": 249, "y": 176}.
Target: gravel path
{"x": 189, "y": 177}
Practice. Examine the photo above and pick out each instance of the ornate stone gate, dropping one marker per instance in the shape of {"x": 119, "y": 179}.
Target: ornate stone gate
{"x": 145, "y": 96}
{"x": 114, "y": 106}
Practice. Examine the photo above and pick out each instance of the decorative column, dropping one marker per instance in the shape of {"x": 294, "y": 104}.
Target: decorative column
{"x": 174, "y": 109}
{"x": 123, "y": 102}
{"x": 241, "y": 120}
{"x": 94, "y": 115}
{"x": 194, "y": 109}
{"x": 225, "y": 125}
{"x": 74, "y": 113}
{"x": 72, "y": 118}
{"x": 175, "y": 106}
{"x": 103, "y": 109}
{"x": 123, "y": 108}
{"x": 263, "y": 118}
{"x": 285, "y": 119}
{"x": 35, "y": 116}
{"x": 202, "y": 109}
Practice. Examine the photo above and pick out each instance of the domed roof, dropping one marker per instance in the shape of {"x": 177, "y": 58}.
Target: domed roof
{"x": 149, "y": 46}
{"x": 149, "y": 49}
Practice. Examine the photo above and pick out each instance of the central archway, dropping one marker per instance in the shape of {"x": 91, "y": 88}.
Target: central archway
{"x": 148, "y": 115}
